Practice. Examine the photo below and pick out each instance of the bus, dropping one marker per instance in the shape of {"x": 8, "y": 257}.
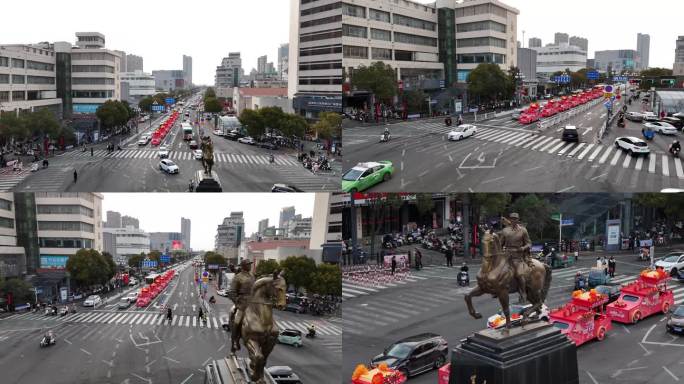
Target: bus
{"x": 149, "y": 279}
{"x": 187, "y": 131}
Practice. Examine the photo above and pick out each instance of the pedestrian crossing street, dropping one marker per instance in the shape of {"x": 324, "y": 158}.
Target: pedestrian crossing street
{"x": 9, "y": 178}
{"x": 351, "y": 289}
{"x": 151, "y": 318}
{"x": 654, "y": 163}
{"x": 360, "y": 317}
{"x": 230, "y": 158}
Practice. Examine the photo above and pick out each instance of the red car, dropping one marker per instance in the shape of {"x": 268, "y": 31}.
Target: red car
{"x": 642, "y": 298}
{"x": 583, "y": 318}
{"x": 550, "y": 109}
{"x": 532, "y": 114}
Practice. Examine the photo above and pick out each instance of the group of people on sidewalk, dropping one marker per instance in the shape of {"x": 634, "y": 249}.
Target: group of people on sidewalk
{"x": 607, "y": 265}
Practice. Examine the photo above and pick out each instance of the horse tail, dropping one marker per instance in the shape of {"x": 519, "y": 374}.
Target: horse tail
{"x": 547, "y": 282}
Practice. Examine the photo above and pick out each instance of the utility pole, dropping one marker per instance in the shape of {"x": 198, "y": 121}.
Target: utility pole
{"x": 466, "y": 226}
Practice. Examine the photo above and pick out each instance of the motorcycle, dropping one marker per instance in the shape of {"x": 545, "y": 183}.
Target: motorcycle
{"x": 63, "y": 311}
{"x": 463, "y": 279}
{"x": 621, "y": 123}
{"x": 49, "y": 311}
{"x": 580, "y": 282}
{"x": 674, "y": 151}
{"x": 385, "y": 138}
{"x": 311, "y": 334}
{"x": 48, "y": 339}
{"x": 73, "y": 308}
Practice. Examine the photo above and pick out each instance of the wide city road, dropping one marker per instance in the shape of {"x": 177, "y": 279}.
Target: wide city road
{"x": 240, "y": 167}
{"x": 375, "y": 316}
{"x": 505, "y": 155}
{"x": 137, "y": 345}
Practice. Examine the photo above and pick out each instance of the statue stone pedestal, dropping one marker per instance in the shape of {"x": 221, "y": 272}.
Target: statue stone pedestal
{"x": 232, "y": 370}
{"x": 535, "y": 354}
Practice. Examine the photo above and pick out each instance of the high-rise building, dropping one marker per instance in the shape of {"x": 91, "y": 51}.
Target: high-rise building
{"x": 535, "y": 42}
{"x": 678, "y": 69}
{"x": 617, "y": 60}
{"x": 129, "y": 221}
{"x": 560, "y": 38}
{"x": 123, "y": 243}
{"x": 261, "y": 64}
{"x": 315, "y": 63}
{"x": 263, "y": 224}
{"x": 166, "y": 242}
{"x": 113, "y": 220}
{"x": 123, "y": 65}
{"x": 327, "y": 224}
{"x": 134, "y": 63}
{"x": 286, "y": 214}
{"x": 94, "y": 72}
{"x": 283, "y": 58}
{"x": 580, "y": 42}
{"x": 12, "y": 256}
{"x": 229, "y": 235}
{"x": 187, "y": 70}
{"x": 230, "y": 72}
{"x": 644, "y": 49}
{"x": 185, "y": 231}
{"x": 169, "y": 80}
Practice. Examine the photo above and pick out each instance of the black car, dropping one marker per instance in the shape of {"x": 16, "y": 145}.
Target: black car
{"x": 283, "y": 374}
{"x": 285, "y": 188}
{"x": 570, "y": 133}
{"x": 415, "y": 354}
{"x": 296, "y": 308}
{"x": 268, "y": 145}
{"x": 610, "y": 290}
{"x": 675, "y": 122}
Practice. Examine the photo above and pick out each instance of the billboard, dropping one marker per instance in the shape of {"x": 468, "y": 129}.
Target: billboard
{"x": 176, "y": 244}
{"x": 53, "y": 262}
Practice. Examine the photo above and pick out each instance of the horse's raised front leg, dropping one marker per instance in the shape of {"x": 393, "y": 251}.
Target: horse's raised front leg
{"x": 503, "y": 301}
{"x": 475, "y": 292}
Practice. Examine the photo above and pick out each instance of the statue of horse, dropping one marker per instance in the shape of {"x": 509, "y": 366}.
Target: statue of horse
{"x": 207, "y": 155}
{"x": 259, "y": 331}
{"x": 496, "y": 278}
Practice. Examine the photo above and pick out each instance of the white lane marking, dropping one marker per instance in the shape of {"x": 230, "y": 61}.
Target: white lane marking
{"x": 628, "y": 159}
{"x": 605, "y": 155}
{"x": 651, "y": 163}
{"x": 615, "y": 157}
{"x": 586, "y": 150}
{"x": 666, "y": 166}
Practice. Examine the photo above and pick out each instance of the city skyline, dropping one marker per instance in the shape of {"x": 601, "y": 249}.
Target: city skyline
{"x": 180, "y": 37}
{"x": 206, "y": 213}
{"x": 543, "y": 22}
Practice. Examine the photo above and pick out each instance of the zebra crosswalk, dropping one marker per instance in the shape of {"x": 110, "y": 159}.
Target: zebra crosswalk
{"x": 9, "y": 178}
{"x": 231, "y": 158}
{"x": 351, "y": 288}
{"x": 148, "y": 318}
{"x": 595, "y": 153}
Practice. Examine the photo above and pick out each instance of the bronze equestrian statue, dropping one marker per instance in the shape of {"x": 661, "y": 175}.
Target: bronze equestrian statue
{"x": 252, "y": 319}
{"x": 510, "y": 269}
{"x": 207, "y": 154}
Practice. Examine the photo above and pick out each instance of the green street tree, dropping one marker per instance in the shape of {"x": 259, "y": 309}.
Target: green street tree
{"x": 535, "y": 212}
{"x": 379, "y": 78}
{"x": 299, "y": 271}
{"x": 88, "y": 267}
{"x": 328, "y": 280}
{"x": 294, "y": 125}
{"x": 212, "y": 105}
{"x": 487, "y": 82}
{"x": 154, "y": 255}
{"x": 671, "y": 204}
{"x": 489, "y": 204}
{"x": 267, "y": 267}
{"x": 42, "y": 123}
{"x": 329, "y": 125}
{"x": 215, "y": 258}
{"x": 209, "y": 93}
{"x": 253, "y": 122}
{"x": 134, "y": 261}
{"x": 416, "y": 101}
{"x": 20, "y": 290}
{"x": 13, "y": 127}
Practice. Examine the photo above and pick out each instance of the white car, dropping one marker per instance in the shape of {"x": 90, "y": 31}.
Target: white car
{"x": 633, "y": 145}
{"x": 672, "y": 262}
{"x": 143, "y": 141}
{"x": 168, "y": 166}
{"x": 217, "y": 132}
{"x": 634, "y": 116}
{"x": 92, "y": 301}
{"x": 661, "y": 127}
{"x": 246, "y": 140}
{"x": 461, "y": 132}
{"x": 516, "y": 310}
{"x": 222, "y": 292}
{"x": 133, "y": 281}
{"x": 650, "y": 116}
{"x": 163, "y": 152}
{"x": 132, "y": 297}
{"x": 197, "y": 154}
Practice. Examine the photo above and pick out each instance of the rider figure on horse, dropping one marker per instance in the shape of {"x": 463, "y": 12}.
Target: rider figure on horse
{"x": 517, "y": 244}
{"x": 240, "y": 292}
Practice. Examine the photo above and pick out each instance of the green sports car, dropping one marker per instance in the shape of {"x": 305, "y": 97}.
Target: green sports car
{"x": 366, "y": 175}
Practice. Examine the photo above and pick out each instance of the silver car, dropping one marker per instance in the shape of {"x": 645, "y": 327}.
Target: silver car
{"x": 675, "y": 320}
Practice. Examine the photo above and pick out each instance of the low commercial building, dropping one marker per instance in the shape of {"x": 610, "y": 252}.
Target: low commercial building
{"x": 558, "y": 58}
{"x": 94, "y": 73}
{"x": 255, "y": 98}
{"x": 127, "y": 242}
{"x": 137, "y": 85}
{"x": 279, "y": 250}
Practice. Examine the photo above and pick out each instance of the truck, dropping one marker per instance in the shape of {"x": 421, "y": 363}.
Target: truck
{"x": 642, "y": 298}
{"x": 583, "y": 318}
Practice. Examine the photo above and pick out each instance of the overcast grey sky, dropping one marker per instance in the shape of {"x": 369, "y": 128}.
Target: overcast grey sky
{"x": 161, "y": 212}
{"x": 159, "y": 31}
{"x": 607, "y": 24}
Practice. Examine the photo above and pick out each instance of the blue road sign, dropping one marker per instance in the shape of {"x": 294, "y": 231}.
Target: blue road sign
{"x": 592, "y": 75}
{"x": 608, "y": 89}
{"x": 441, "y": 84}
{"x": 170, "y": 100}
{"x": 158, "y": 108}
{"x": 567, "y": 222}
{"x": 164, "y": 258}
{"x": 608, "y": 104}
{"x": 620, "y": 79}
{"x": 563, "y": 79}
{"x": 149, "y": 264}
